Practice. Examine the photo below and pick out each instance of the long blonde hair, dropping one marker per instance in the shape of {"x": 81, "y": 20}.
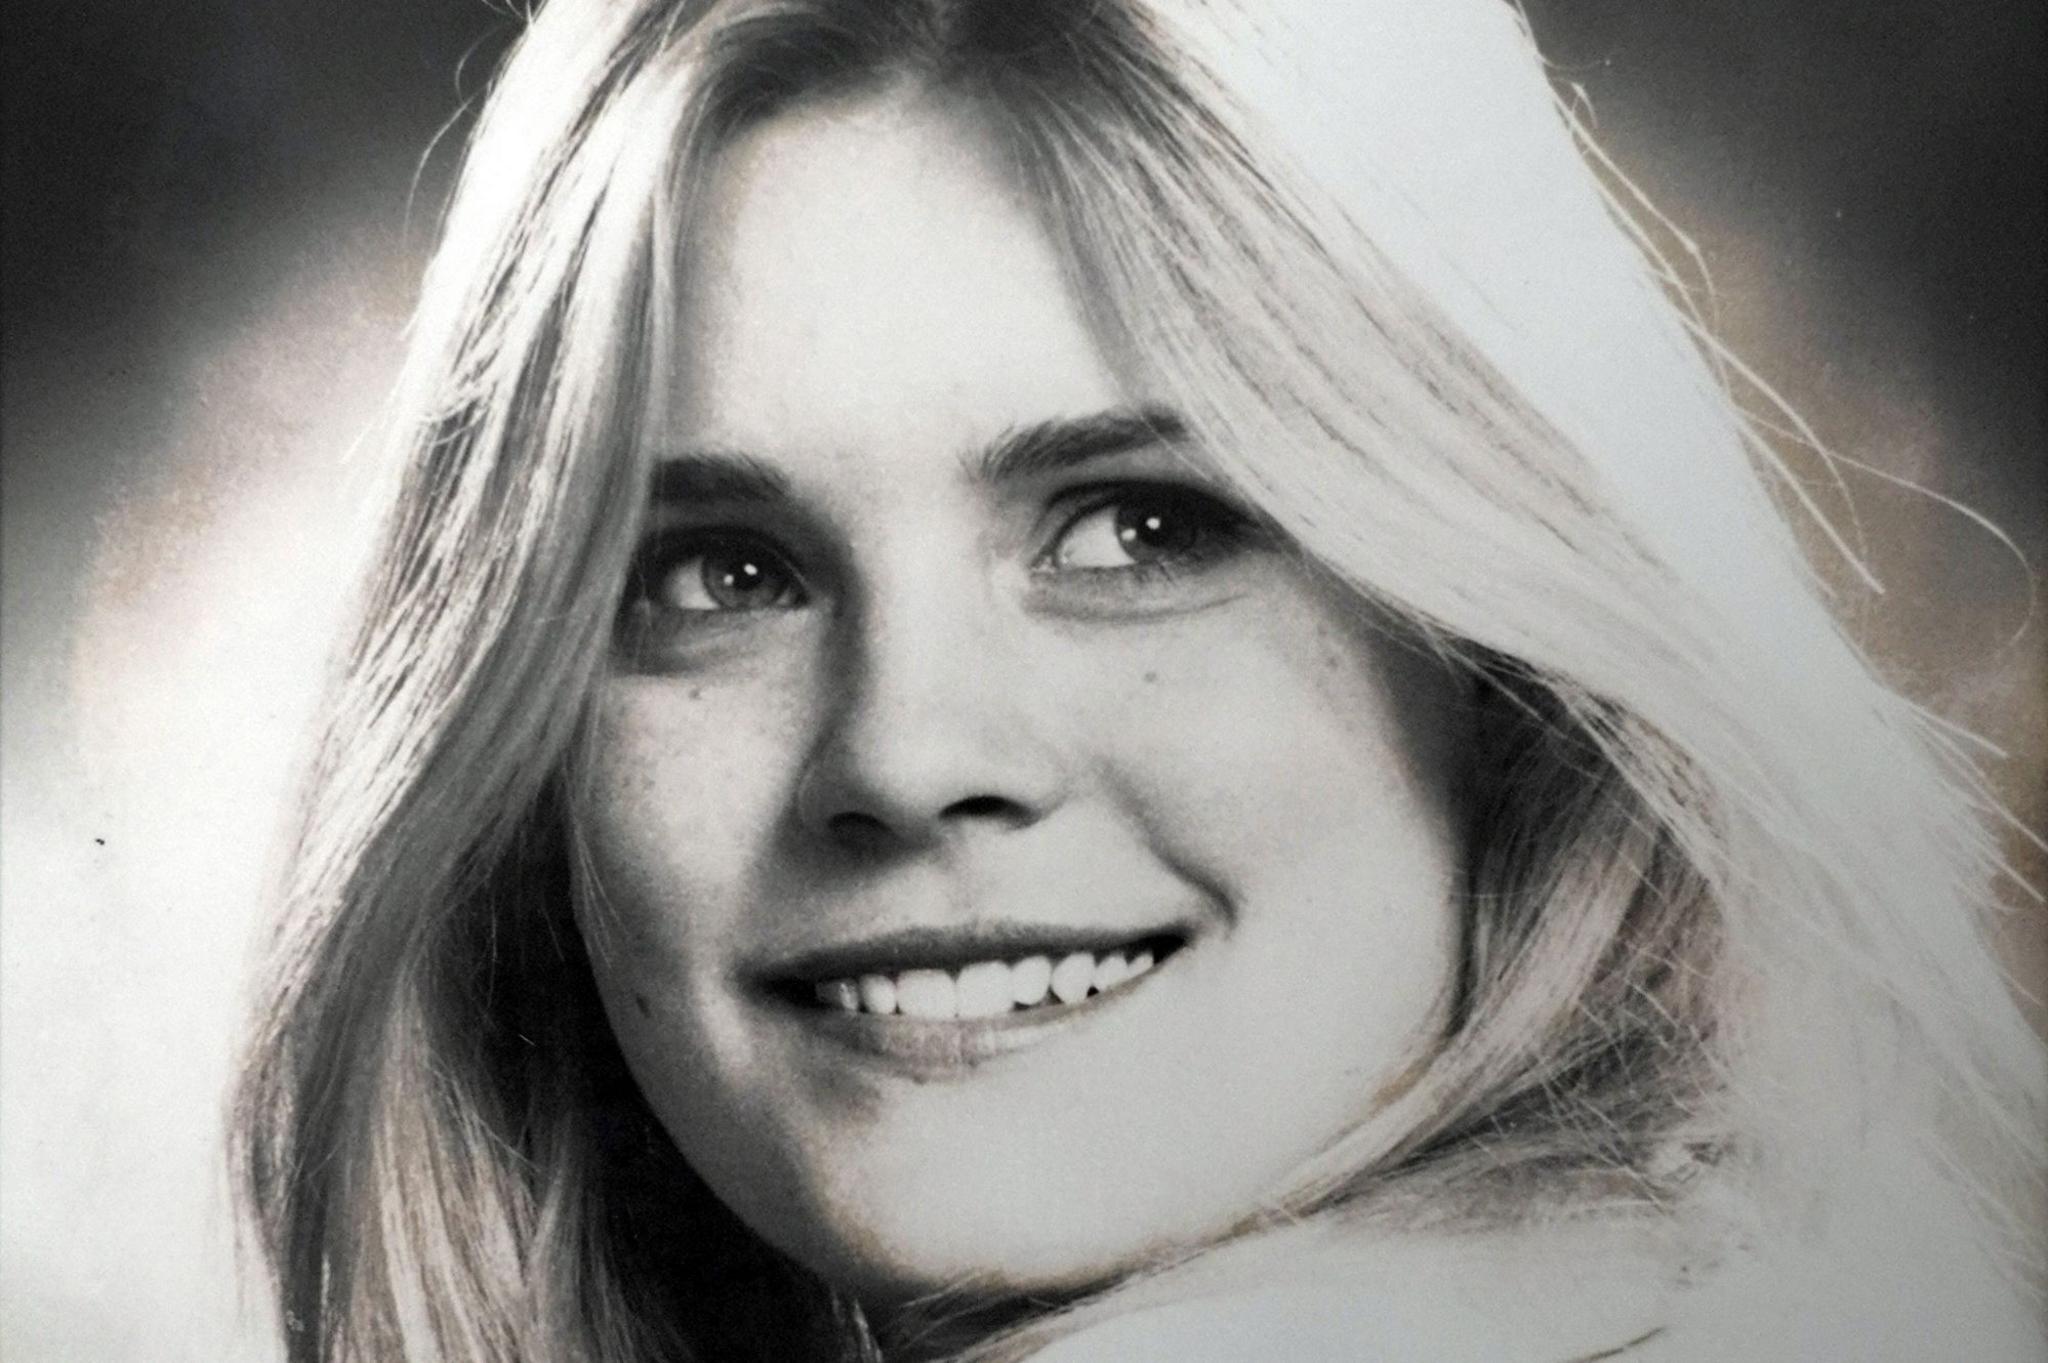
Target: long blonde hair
{"x": 1727, "y": 895}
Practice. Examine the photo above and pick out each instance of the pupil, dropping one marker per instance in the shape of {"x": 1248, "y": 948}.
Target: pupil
{"x": 1153, "y": 531}
{"x": 739, "y": 581}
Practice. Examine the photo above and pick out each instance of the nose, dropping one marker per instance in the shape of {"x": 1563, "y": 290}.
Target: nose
{"x": 936, "y": 728}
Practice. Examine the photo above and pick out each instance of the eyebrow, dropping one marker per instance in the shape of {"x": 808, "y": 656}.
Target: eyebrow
{"x": 717, "y": 474}
{"x": 1054, "y": 446}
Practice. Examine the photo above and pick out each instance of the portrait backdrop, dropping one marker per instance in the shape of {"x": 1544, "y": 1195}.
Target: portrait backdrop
{"x": 216, "y": 215}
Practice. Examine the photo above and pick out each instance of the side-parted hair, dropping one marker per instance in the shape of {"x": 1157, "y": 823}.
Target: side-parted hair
{"x": 1726, "y": 899}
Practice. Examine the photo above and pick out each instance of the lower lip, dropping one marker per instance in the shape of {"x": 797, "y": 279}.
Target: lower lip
{"x": 941, "y": 1048}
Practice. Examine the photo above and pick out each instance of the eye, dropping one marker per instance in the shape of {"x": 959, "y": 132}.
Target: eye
{"x": 1144, "y": 527}
{"x": 699, "y": 574}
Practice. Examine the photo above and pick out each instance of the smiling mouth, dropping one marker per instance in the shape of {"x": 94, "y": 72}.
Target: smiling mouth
{"x": 937, "y": 1003}
{"x": 993, "y": 986}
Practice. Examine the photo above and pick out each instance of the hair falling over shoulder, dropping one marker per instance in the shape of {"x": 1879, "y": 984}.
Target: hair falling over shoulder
{"x": 1724, "y": 941}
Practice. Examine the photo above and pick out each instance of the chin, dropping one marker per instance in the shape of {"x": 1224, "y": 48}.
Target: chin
{"x": 924, "y": 1220}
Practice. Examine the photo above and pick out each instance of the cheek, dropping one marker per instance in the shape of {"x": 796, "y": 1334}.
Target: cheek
{"x": 681, "y": 788}
{"x": 1291, "y": 740}
{"x": 682, "y": 792}
{"x": 1307, "y": 769}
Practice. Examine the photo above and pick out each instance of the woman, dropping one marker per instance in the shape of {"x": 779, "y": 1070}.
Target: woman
{"x": 1073, "y": 678}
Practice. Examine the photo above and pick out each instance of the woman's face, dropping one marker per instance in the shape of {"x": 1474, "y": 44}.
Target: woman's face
{"x": 946, "y": 680}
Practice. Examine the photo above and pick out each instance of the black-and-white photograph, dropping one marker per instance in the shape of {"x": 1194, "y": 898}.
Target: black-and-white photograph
{"x": 1024, "y": 681}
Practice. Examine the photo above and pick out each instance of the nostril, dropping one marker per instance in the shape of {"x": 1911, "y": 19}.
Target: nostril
{"x": 984, "y": 807}
{"x": 862, "y": 830}
{"x": 854, "y": 828}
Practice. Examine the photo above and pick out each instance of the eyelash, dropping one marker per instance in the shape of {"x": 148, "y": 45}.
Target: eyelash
{"x": 1218, "y": 530}
{"x": 666, "y": 552}
{"x": 1213, "y": 531}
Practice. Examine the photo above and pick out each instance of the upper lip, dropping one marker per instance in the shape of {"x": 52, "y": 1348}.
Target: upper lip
{"x": 950, "y": 947}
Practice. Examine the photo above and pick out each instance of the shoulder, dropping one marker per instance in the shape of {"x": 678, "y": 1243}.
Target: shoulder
{"x": 1765, "y": 1315}
{"x": 1309, "y": 1326}
{"x": 1890, "y": 1284}
{"x": 1872, "y": 1291}
{"x": 1893, "y": 1263}
{"x": 1483, "y": 1300}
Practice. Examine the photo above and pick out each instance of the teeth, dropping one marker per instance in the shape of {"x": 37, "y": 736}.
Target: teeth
{"x": 878, "y": 993}
{"x": 927, "y": 994}
{"x": 1111, "y": 971}
{"x": 1072, "y": 976}
{"x": 1030, "y": 980}
{"x": 841, "y": 994}
{"x": 984, "y": 989}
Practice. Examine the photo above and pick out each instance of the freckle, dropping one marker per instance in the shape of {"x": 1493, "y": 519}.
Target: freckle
{"x": 646, "y": 1008}
{"x": 696, "y": 693}
{"x": 1151, "y": 678}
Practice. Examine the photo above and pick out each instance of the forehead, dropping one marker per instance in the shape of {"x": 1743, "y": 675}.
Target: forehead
{"x": 869, "y": 273}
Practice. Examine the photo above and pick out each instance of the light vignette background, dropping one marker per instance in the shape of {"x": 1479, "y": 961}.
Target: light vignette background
{"x": 216, "y": 213}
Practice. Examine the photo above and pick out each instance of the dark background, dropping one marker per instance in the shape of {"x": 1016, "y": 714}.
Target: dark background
{"x": 215, "y": 214}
